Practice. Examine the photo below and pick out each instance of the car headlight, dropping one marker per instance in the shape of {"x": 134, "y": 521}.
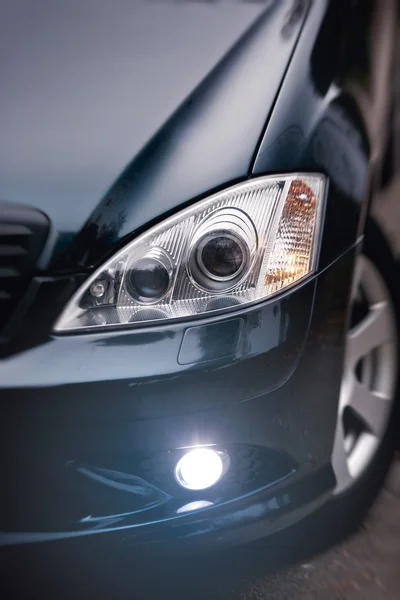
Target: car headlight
{"x": 238, "y": 246}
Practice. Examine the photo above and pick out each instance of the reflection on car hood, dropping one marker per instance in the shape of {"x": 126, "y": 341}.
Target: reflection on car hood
{"x": 85, "y": 84}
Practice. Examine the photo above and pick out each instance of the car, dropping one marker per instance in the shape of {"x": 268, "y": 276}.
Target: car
{"x": 200, "y": 316}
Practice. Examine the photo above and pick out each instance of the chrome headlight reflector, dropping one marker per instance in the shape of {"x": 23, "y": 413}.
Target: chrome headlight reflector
{"x": 222, "y": 250}
{"x": 238, "y": 246}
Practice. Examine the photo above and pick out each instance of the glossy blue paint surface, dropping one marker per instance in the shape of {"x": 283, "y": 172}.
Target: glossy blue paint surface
{"x": 316, "y": 124}
{"x": 209, "y": 141}
{"x": 86, "y": 84}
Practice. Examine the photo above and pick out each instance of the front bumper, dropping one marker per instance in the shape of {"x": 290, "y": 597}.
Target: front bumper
{"x": 97, "y": 422}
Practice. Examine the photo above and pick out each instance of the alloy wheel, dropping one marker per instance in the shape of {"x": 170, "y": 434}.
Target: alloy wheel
{"x": 369, "y": 376}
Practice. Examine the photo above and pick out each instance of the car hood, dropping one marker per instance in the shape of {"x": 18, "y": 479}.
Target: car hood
{"x": 86, "y": 84}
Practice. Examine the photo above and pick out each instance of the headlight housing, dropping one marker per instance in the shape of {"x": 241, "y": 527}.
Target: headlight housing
{"x": 238, "y": 246}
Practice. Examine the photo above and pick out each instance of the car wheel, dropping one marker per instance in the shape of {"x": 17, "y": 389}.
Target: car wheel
{"x": 364, "y": 440}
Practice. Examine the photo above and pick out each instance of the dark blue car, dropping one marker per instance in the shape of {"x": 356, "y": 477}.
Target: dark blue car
{"x": 199, "y": 318}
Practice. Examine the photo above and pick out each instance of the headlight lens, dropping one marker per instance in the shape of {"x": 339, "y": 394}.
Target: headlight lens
{"x": 148, "y": 279}
{"x": 221, "y": 257}
{"x": 238, "y": 246}
{"x": 222, "y": 249}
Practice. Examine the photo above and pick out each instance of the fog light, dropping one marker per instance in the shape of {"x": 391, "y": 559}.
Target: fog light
{"x": 201, "y": 468}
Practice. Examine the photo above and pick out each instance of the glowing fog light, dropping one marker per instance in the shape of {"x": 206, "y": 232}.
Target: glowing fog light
{"x": 200, "y": 468}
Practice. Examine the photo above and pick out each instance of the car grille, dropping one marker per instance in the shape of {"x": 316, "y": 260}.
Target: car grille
{"x": 23, "y": 232}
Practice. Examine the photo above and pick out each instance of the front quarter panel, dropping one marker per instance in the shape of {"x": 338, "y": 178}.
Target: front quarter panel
{"x": 325, "y": 117}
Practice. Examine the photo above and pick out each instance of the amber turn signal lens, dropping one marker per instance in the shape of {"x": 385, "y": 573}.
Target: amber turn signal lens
{"x": 291, "y": 255}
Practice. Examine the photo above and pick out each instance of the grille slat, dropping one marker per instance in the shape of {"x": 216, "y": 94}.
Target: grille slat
{"x": 23, "y": 232}
{"x": 14, "y": 230}
{"x": 9, "y": 251}
{"x": 8, "y": 272}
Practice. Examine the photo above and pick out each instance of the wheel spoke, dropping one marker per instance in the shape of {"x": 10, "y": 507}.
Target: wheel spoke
{"x": 358, "y": 273}
{"x": 340, "y": 460}
{"x": 373, "y": 331}
{"x": 371, "y": 406}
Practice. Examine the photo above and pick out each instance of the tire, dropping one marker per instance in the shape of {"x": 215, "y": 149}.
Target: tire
{"x": 347, "y": 510}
